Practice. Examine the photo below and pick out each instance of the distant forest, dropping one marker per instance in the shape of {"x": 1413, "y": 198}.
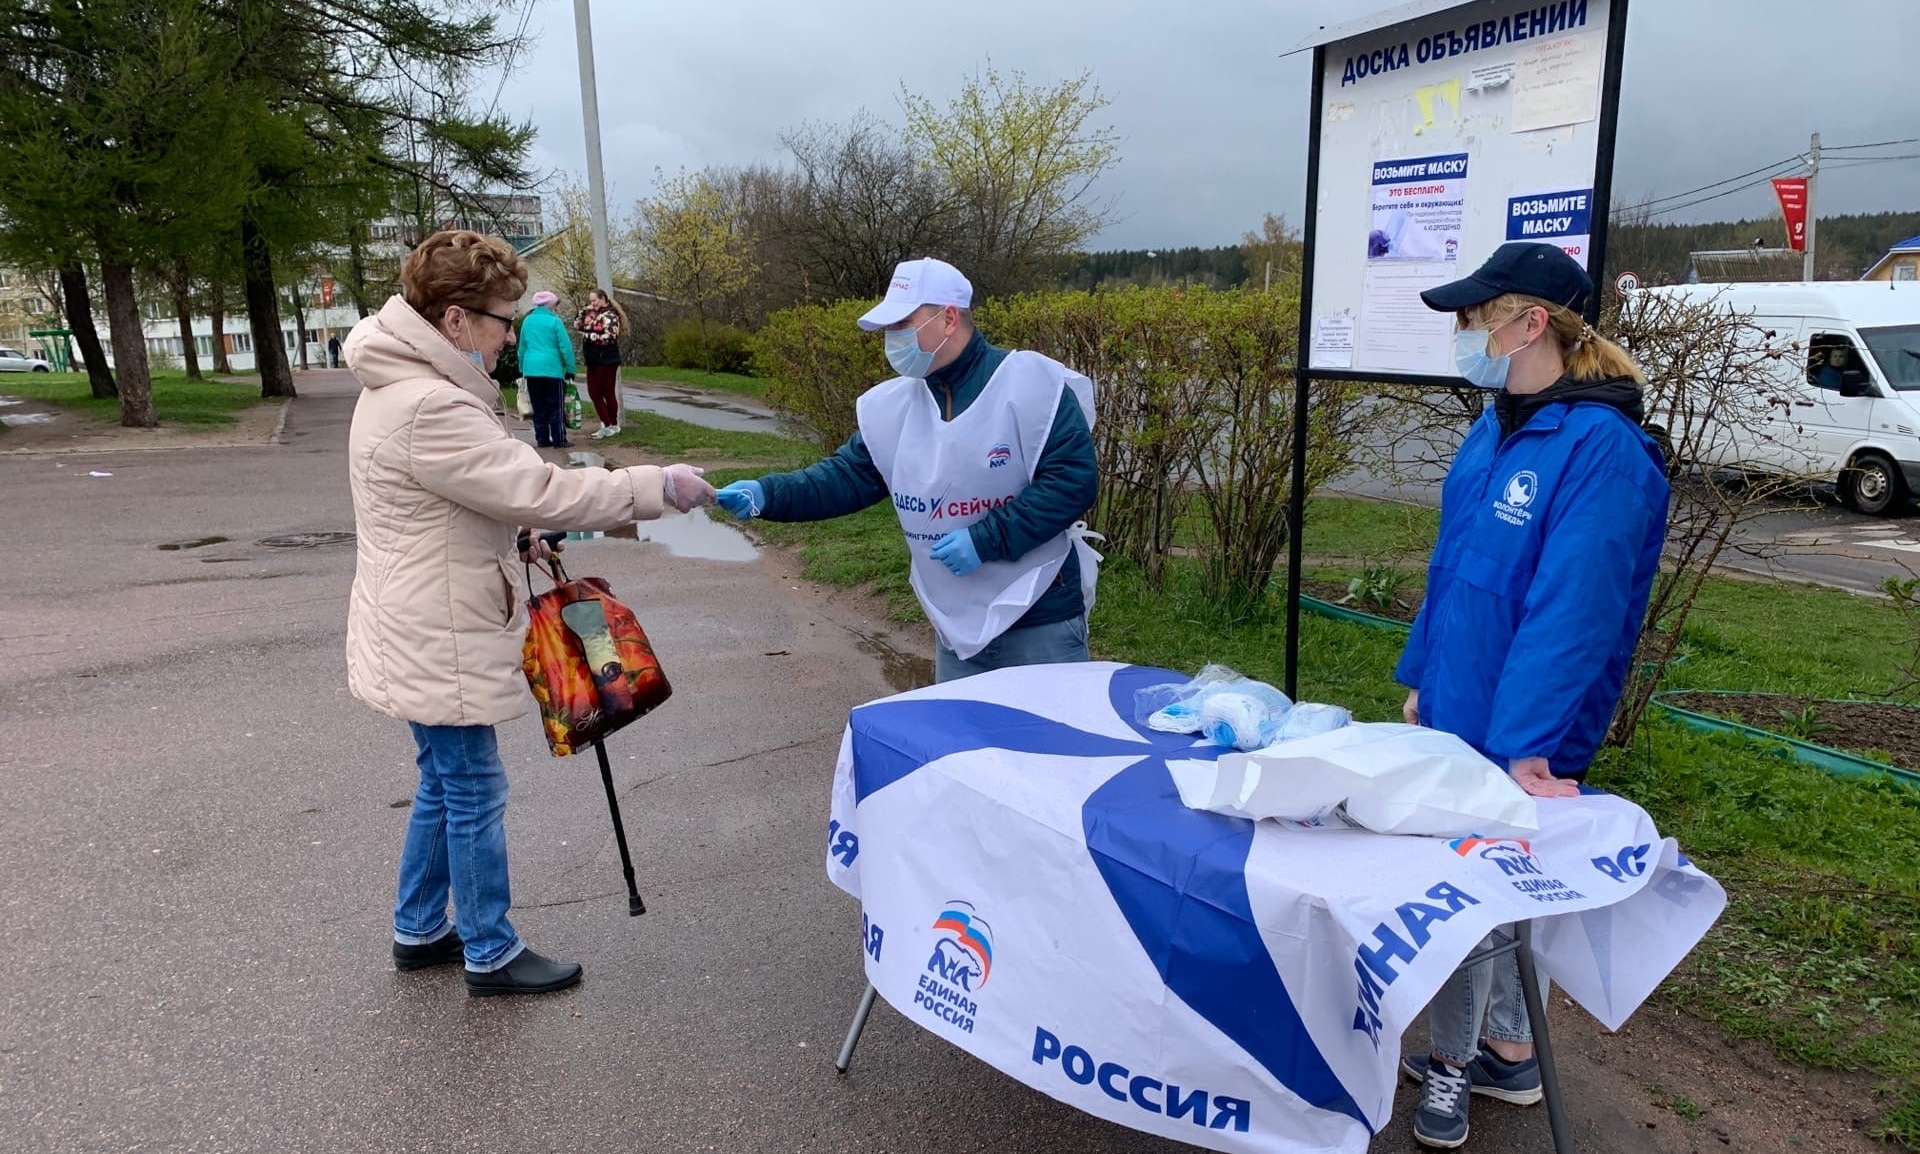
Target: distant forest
{"x": 1845, "y": 246}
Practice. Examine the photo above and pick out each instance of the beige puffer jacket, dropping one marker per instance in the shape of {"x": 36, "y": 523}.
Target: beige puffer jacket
{"x": 440, "y": 489}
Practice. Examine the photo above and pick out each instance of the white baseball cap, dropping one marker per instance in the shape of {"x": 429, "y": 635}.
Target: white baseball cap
{"x": 918, "y": 282}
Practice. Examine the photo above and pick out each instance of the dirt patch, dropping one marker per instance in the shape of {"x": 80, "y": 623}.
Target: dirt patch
{"x": 68, "y": 433}
{"x": 1668, "y": 1083}
{"x": 1403, "y": 607}
{"x": 1858, "y": 727}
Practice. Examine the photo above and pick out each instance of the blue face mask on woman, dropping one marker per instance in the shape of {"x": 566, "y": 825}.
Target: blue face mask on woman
{"x": 905, "y": 354}
{"x": 1471, "y": 359}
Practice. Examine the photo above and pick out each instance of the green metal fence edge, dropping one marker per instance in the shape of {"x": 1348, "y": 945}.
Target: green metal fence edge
{"x": 1834, "y": 761}
{"x": 1342, "y": 613}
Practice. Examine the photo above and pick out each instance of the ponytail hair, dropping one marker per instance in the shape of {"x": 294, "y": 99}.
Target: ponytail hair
{"x": 1589, "y": 356}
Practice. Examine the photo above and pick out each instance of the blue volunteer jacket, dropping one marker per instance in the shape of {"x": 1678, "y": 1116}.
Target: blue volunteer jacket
{"x": 1550, "y": 538}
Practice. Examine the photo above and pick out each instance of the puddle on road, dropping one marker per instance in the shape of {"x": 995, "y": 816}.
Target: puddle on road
{"x": 16, "y": 419}
{"x": 903, "y": 671}
{"x": 686, "y": 535}
{"x": 196, "y": 543}
{"x": 703, "y": 411}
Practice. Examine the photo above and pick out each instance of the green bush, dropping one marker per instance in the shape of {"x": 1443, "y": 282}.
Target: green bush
{"x": 1195, "y": 424}
{"x": 820, "y": 362}
{"x": 1195, "y": 411}
{"x": 714, "y": 347}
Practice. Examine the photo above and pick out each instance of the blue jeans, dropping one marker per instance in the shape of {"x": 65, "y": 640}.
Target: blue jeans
{"x": 547, "y": 397}
{"x": 1489, "y": 991}
{"x": 1053, "y": 644}
{"x": 457, "y": 844}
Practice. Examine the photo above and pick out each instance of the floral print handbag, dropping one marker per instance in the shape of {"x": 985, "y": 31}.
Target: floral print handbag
{"x": 587, "y": 660}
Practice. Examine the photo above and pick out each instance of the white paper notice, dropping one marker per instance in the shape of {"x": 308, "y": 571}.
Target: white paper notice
{"x": 1398, "y": 332}
{"x": 1557, "y": 82}
{"x": 1332, "y": 342}
{"x": 1490, "y": 76}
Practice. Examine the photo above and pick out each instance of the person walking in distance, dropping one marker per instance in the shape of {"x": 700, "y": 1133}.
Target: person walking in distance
{"x": 602, "y": 323}
{"x": 546, "y": 360}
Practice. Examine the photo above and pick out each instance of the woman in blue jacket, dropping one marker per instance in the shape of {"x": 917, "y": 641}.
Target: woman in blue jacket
{"x": 546, "y": 360}
{"x": 1552, "y": 519}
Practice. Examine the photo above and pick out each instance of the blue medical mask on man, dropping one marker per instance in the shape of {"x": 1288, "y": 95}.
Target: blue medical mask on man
{"x": 905, "y": 354}
{"x": 1471, "y": 359}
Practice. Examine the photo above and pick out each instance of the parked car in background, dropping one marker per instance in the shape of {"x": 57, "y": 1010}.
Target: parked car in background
{"x": 15, "y": 361}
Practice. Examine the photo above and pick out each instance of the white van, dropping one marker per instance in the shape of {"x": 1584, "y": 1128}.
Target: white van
{"x": 1848, "y": 384}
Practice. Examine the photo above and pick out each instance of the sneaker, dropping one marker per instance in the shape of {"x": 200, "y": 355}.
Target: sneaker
{"x": 1515, "y": 1082}
{"x": 614, "y": 431}
{"x": 441, "y": 951}
{"x": 1441, "y": 1120}
{"x": 603, "y": 432}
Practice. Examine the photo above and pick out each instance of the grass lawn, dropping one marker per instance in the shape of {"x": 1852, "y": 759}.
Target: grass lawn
{"x": 178, "y": 400}
{"x": 755, "y": 387}
{"x": 683, "y": 441}
{"x": 1816, "y": 952}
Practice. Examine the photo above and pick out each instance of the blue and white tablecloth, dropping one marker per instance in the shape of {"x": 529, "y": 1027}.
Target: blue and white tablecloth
{"x": 1034, "y": 892}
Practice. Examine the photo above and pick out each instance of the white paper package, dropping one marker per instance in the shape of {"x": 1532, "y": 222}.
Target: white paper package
{"x": 1389, "y": 778}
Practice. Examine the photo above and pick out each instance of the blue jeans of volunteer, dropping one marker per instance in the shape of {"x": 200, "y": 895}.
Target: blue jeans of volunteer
{"x": 1489, "y": 991}
{"x": 547, "y": 396}
{"x": 457, "y": 846}
{"x": 1050, "y": 644}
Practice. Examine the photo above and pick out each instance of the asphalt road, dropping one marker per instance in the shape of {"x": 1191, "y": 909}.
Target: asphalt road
{"x": 200, "y": 829}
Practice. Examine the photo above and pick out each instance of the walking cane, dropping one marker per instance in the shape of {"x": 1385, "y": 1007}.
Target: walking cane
{"x": 635, "y": 907}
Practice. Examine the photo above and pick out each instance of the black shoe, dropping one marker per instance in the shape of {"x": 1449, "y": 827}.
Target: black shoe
{"x": 527, "y": 974}
{"x": 435, "y": 953}
{"x": 563, "y": 444}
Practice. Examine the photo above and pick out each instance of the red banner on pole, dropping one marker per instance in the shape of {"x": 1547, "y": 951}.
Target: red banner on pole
{"x": 1792, "y": 191}
{"x": 326, "y": 283}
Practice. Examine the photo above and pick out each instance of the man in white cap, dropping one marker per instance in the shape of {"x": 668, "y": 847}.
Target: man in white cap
{"x": 988, "y": 458}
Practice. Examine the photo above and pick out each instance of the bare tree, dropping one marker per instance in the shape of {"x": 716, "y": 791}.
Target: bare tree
{"x": 861, "y": 200}
{"x": 1730, "y": 432}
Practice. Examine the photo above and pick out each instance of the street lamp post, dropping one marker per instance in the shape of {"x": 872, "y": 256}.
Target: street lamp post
{"x": 596, "y": 179}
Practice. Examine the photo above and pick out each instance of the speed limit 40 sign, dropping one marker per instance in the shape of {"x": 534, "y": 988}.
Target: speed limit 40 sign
{"x": 1625, "y": 283}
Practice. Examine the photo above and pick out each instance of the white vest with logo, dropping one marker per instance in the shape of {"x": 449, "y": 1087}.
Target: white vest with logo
{"x": 945, "y": 475}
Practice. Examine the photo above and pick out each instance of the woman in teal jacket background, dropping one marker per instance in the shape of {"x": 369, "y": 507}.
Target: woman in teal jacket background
{"x": 546, "y": 360}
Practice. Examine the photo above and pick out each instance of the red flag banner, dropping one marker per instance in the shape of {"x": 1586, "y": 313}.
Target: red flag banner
{"x": 1792, "y": 191}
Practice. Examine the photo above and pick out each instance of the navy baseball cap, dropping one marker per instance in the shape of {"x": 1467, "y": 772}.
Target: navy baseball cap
{"x": 1536, "y": 270}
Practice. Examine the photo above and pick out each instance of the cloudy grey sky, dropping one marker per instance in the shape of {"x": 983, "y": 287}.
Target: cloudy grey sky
{"x": 1212, "y": 123}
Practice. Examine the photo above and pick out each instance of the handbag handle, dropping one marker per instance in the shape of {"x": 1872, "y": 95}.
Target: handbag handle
{"x": 552, "y": 566}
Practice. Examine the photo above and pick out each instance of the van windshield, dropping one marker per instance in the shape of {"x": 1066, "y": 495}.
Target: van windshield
{"x": 1896, "y": 349}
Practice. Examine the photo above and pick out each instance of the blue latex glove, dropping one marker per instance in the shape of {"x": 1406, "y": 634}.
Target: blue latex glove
{"x": 957, "y": 553}
{"x": 744, "y": 499}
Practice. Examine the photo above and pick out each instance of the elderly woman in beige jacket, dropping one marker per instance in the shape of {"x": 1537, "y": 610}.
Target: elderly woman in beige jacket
{"x": 436, "y": 622}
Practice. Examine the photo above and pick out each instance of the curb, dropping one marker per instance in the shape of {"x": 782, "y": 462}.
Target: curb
{"x": 1834, "y": 761}
{"x": 1354, "y": 616}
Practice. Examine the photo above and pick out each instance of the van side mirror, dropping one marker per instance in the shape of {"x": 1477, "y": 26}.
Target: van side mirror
{"x": 1856, "y": 383}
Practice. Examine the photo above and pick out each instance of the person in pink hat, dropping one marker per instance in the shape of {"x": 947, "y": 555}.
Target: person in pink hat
{"x": 546, "y": 360}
